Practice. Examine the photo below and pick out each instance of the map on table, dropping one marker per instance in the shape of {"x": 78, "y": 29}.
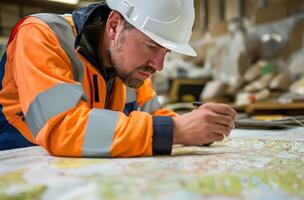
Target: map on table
{"x": 247, "y": 165}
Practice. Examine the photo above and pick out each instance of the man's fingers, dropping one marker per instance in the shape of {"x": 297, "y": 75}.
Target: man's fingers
{"x": 224, "y": 120}
{"x": 220, "y": 129}
{"x": 216, "y": 137}
{"x": 222, "y": 109}
{"x": 207, "y": 144}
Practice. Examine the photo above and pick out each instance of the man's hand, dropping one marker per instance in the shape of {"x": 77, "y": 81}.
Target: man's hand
{"x": 206, "y": 124}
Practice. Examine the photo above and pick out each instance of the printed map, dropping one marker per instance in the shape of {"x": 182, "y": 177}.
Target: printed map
{"x": 247, "y": 165}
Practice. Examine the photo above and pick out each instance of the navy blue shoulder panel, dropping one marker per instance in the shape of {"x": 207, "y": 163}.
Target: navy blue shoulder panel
{"x": 2, "y": 65}
{"x": 82, "y": 15}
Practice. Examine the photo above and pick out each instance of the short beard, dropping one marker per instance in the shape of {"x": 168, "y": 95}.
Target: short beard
{"x": 127, "y": 77}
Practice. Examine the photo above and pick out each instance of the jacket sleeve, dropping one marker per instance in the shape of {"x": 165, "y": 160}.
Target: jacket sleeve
{"x": 162, "y": 118}
{"x": 55, "y": 106}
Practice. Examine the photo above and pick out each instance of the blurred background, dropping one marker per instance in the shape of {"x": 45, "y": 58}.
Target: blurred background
{"x": 250, "y": 53}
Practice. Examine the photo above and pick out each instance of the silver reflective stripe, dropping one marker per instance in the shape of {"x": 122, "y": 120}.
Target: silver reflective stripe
{"x": 65, "y": 35}
{"x": 130, "y": 95}
{"x": 99, "y": 133}
{"x": 151, "y": 106}
{"x": 48, "y": 104}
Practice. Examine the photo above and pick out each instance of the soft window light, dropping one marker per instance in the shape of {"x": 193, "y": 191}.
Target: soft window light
{"x": 66, "y": 1}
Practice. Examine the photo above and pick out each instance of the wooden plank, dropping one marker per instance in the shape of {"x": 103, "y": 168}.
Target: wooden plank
{"x": 274, "y": 107}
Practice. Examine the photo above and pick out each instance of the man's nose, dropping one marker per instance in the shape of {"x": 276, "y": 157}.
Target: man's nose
{"x": 157, "y": 61}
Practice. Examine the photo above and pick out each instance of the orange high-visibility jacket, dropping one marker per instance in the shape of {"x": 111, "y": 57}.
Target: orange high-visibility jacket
{"x": 54, "y": 93}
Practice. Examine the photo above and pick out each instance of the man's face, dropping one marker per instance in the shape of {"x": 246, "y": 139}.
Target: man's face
{"x": 136, "y": 57}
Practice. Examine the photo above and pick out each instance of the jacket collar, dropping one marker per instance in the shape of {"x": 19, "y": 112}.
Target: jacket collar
{"x": 82, "y": 16}
{"x": 87, "y": 38}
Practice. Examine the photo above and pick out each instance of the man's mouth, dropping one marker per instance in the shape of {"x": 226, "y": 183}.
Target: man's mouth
{"x": 144, "y": 74}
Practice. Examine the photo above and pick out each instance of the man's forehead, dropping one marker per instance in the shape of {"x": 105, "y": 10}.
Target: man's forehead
{"x": 148, "y": 39}
{"x": 153, "y": 42}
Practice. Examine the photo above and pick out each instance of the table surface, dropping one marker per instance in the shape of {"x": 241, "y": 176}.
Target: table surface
{"x": 250, "y": 164}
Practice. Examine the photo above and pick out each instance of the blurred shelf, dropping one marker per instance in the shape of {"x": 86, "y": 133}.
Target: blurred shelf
{"x": 294, "y": 108}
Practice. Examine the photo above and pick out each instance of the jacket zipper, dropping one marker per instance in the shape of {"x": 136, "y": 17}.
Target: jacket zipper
{"x": 95, "y": 78}
{"x": 96, "y": 90}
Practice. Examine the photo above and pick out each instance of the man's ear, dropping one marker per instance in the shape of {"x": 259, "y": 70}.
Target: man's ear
{"x": 114, "y": 24}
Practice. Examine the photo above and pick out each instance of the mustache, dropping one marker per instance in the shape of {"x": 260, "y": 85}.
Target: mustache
{"x": 147, "y": 69}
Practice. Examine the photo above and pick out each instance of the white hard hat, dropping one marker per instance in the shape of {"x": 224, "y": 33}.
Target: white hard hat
{"x": 167, "y": 22}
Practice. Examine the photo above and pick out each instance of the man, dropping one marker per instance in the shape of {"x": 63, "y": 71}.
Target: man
{"x": 79, "y": 85}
